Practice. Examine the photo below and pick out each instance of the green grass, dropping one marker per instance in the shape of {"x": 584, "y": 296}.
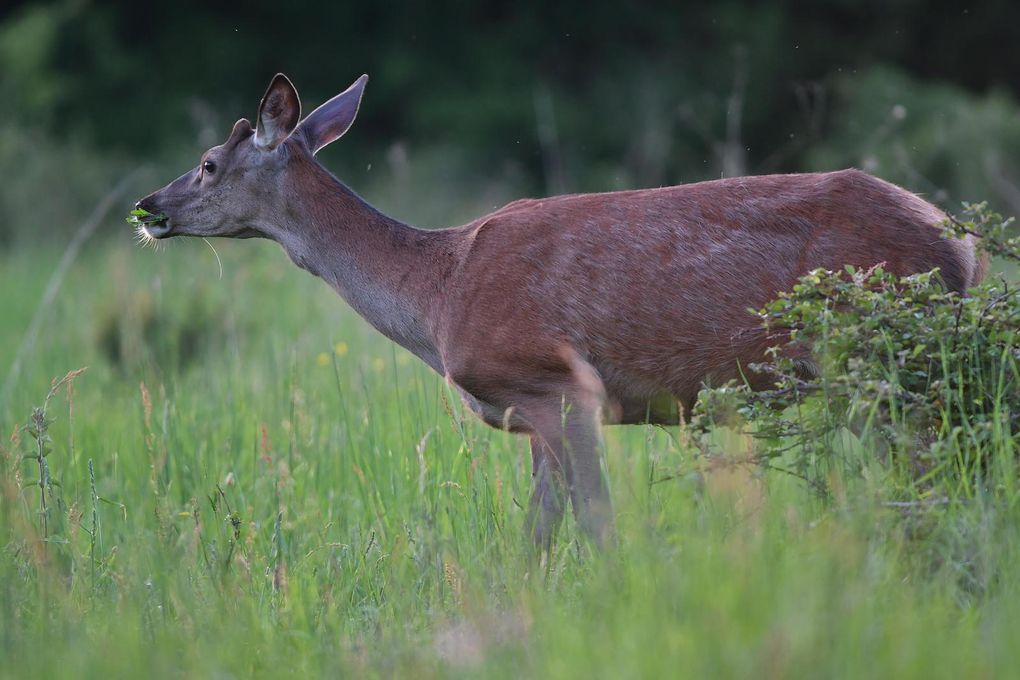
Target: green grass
{"x": 282, "y": 492}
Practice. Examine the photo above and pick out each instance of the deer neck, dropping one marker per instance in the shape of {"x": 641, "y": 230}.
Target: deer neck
{"x": 388, "y": 272}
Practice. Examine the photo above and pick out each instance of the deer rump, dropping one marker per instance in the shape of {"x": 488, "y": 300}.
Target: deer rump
{"x": 648, "y": 291}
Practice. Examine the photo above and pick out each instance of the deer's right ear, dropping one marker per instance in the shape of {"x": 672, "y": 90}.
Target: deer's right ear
{"x": 331, "y": 120}
{"x": 279, "y": 113}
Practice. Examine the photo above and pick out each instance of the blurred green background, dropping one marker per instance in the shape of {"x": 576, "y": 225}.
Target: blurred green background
{"x": 495, "y": 100}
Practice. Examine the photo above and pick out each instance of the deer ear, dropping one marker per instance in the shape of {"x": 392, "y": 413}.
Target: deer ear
{"x": 279, "y": 113}
{"x": 330, "y": 121}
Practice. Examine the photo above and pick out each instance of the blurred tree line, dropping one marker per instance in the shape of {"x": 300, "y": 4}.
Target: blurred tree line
{"x": 546, "y": 96}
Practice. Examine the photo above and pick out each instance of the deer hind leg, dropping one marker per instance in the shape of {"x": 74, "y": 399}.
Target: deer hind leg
{"x": 589, "y": 492}
{"x": 566, "y": 448}
{"x": 548, "y": 498}
{"x": 560, "y": 407}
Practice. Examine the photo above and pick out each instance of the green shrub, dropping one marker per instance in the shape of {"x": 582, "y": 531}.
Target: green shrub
{"x": 927, "y": 380}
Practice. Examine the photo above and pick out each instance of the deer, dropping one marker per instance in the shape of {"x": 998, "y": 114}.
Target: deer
{"x": 553, "y": 316}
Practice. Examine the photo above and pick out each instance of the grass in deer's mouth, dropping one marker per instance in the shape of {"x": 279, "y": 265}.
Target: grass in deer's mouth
{"x": 140, "y": 217}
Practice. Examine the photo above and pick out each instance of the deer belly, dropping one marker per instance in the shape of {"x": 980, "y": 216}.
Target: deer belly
{"x": 490, "y": 414}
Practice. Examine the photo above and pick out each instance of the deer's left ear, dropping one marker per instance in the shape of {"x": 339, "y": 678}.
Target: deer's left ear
{"x": 279, "y": 113}
{"x": 331, "y": 120}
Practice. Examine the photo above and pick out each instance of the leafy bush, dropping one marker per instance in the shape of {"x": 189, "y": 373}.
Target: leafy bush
{"x": 928, "y": 380}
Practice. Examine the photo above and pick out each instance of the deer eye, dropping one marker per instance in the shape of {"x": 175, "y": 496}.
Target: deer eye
{"x": 208, "y": 167}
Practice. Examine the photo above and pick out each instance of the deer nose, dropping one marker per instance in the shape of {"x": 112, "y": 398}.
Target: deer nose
{"x": 146, "y": 204}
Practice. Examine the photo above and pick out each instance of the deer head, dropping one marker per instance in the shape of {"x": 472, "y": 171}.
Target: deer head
{"x": 240, "y": 188}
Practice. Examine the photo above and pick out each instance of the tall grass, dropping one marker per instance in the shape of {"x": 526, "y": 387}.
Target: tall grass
{"x": 248, "y": 480}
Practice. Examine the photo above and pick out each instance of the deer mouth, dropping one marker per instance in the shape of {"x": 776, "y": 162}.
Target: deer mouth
{"x": 159, "y": 229}
{"x": 152, "y": 225}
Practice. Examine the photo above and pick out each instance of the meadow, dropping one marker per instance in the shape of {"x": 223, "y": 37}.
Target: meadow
{"x": 247, "y": 480}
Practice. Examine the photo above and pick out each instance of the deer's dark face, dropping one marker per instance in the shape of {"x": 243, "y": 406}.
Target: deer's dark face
{"x": 230, "y": 193}
{"x": 239, "y": 188}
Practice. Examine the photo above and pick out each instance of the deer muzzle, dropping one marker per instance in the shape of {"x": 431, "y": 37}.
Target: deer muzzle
{"x": 155, "y": 223}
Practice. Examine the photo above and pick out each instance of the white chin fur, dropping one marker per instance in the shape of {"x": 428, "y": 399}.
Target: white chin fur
{"x": 145, "y": 238}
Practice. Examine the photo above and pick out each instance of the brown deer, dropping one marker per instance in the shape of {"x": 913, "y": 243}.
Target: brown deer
{"x": 551, "y": 315}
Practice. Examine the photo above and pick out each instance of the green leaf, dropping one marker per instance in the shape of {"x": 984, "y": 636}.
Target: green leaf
{"x": 141, "y": 216}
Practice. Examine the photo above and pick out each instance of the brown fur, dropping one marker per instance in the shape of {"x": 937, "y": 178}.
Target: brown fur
{"x": 551, "y": 314}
